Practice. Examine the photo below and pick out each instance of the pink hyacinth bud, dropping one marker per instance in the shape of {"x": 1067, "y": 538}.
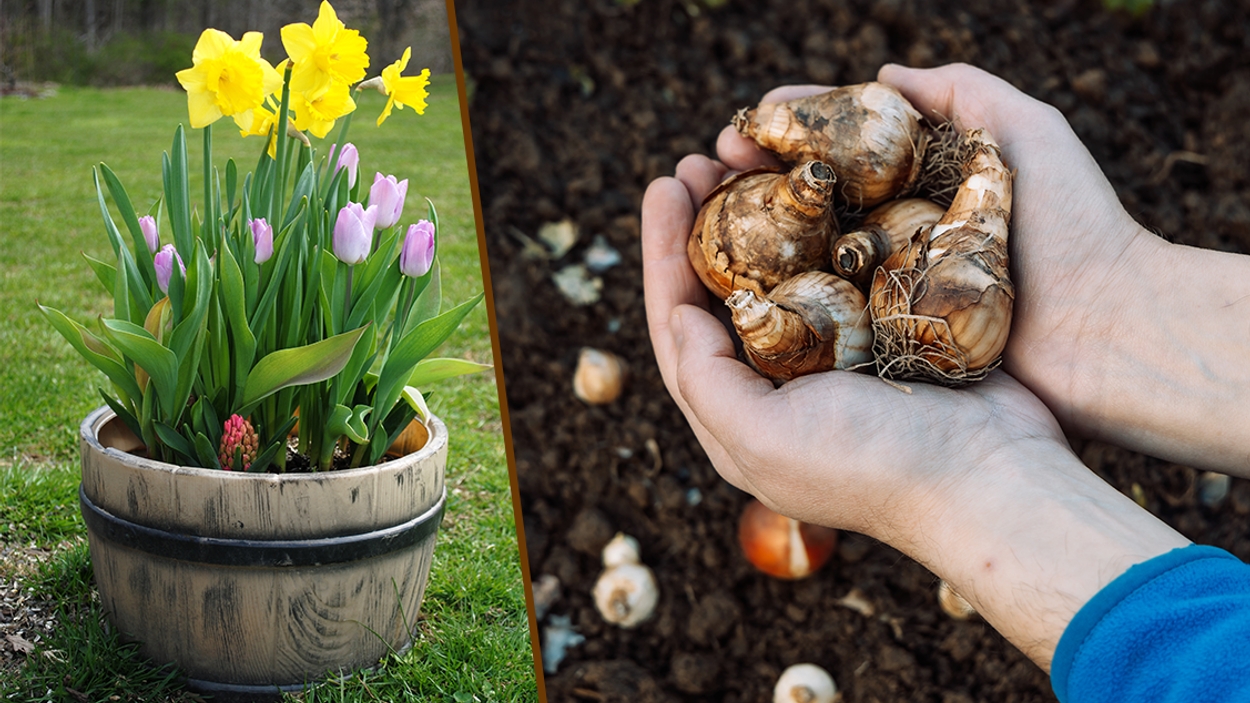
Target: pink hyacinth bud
{"x": 164, "y": 265}
{"x": 389, "y": 196}
{"x": 353, "y": 233}
{"x": 349, "y": 159}
{"x": 147, "y": 224}
{"x": 238, "y": 437}
{"x": 417, "y": 255}
{"x": 262, "y": 236}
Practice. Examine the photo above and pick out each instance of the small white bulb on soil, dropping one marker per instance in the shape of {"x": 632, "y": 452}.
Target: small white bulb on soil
{"x": 626, "y": 593}
{"x": 952, "y": 603}
{"x": 805, "y": 683}
{"x": 623, "y": 549}
{"x": 599, "y": 377}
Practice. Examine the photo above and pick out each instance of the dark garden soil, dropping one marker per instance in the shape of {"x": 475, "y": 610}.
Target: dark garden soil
{"x": 578, "y": 104}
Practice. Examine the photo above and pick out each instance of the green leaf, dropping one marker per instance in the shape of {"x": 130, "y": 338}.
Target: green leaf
{"x": 160, "y": 363}
{"x": 304, "y": 188}
{"x": 97, "y": 352}
{"x": 415, "y": 346}
{"x": 177, "y": 194}
{"x": 232, "y": 183}
{"x": 349, "y": 422}
{"x": 265, "y": 458}
{"x": 431, "y": 370}
{"x": 301, "y": 365}
{"x": 259, "y": 317}
{"x": 416, "y": 401}
{"x": 137, "y": 289}
{"x": 233, "y": 299}
{"x": 104, "y": 271}
{"x": 206, "y": 452}
{"x": 430, "y": 300}
{"x": 124, "y": 413}
{"x": 170, "y": 438}
{"x": 127, "y": 209}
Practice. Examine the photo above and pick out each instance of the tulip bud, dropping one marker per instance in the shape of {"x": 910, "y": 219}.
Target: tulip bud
{"x": 353, "y": 233}
{"x": 147, "y": 224}
{"x": 262, "y": 236}
{"x": 389, "y": 197}
{"x": 417, "y": 255}
{"x": 349, "y": 158}
{"x": 164, "y": 264}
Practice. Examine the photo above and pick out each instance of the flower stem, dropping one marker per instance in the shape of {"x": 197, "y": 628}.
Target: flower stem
{"x": 209, "y": 220}
{"x": 347, "y": 299}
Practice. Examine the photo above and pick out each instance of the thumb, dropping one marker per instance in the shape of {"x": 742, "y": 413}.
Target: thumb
{"x": 719, "y": 389}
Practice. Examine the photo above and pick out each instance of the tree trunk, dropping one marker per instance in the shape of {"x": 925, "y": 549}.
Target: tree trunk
{"x": 90, "y": 17}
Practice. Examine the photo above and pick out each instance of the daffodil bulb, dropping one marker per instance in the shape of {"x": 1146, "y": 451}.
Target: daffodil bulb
{"x": 600, "y": 376}
{"x": 626, "y": 593}
{"x": 805, "y": 683}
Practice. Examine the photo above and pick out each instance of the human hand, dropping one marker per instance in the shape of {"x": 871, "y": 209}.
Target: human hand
{"x": 977, "y": 484}
{"x": 866, "y": 444}
{"x": 1070, "y": 243}
{"x": 1102, "y": 332}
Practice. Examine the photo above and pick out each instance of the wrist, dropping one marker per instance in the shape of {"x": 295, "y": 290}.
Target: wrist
{"x": 1167, "y": 374}
{"x": 1030, "y": 536}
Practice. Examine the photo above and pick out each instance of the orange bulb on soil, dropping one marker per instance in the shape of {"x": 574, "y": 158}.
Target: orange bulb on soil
{"x": 783, "y": 547}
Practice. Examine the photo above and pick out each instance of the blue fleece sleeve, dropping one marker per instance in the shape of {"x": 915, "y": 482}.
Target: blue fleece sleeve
{"x": 1174, "y": 629}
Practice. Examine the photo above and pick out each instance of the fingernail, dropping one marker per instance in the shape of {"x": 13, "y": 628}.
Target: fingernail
{"x": 675, "y": 330}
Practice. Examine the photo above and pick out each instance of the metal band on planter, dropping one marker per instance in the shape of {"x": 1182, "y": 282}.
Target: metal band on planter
{"x": 261, "y": 553}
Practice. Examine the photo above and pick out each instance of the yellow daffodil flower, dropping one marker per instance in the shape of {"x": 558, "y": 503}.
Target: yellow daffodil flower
{"x": 318, "y": 116}
{"x": 227, "y": 77}
{"x": 259, "y": 123}
{"x": 324, "y": 54}
{"x": 404, "y": 90}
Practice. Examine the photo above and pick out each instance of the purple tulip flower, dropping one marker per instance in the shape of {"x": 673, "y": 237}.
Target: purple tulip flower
{"x": 417, "y": 255}
{"x": 389, "y": 196}
{"x": 164, "y": 264}
{"x": 262, "y": 236}
{"x": 147, "y": 224}
{"x": 349, "y": 159}
{"x": 353, "y": 233}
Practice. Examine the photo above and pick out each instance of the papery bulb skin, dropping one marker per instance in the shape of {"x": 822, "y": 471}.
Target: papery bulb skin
{"x": 805, "y": 683}
{"x": 941, "y": 306}
{"x": 868, "y": 133}
{"x": 783, "y": 547}
{"x": 761, "y": 227}
{"x": 810, "y": 323}
{"x": 888, "y": 228}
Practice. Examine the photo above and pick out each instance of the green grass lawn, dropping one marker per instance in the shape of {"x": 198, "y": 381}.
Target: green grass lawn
{"x": 473, "y": 639}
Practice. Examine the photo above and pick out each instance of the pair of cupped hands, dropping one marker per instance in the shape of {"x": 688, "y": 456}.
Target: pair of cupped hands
{"x": 980, "y": 484}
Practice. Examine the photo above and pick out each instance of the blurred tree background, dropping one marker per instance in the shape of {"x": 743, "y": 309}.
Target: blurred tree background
{"x": 133, "y": 42}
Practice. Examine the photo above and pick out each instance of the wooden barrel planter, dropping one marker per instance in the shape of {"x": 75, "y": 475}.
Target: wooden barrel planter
{"x": 256, "y": 583}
